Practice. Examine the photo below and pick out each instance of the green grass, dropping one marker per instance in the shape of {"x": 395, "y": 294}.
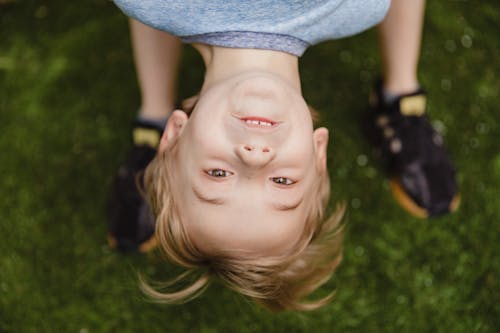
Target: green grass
{"x": 67, "y": 96}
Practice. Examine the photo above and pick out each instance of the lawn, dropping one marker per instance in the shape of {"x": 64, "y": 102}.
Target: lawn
{"x": 68, "y": 94}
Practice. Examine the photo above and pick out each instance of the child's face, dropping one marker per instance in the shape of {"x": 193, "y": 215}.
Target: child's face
{"x": 246, "y": 163}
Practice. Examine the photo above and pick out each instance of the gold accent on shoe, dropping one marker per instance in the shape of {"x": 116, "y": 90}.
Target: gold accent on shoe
{"x": 146, "y": 136}
{"x": 413, "y": 105}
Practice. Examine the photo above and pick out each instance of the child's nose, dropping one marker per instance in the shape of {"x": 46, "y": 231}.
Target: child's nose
{"x": 254, "y": 155}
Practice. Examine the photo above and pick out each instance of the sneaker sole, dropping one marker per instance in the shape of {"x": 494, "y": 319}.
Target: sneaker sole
{"x": 145, "y": 247}
{"x": 411, "y": 207}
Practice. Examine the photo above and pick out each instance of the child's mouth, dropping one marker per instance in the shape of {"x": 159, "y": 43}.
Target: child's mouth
{"x": 259, "y": 122}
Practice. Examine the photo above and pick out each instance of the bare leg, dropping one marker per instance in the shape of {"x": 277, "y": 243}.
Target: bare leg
{"x": 400, "y": 37}
{"x": 157, "y": 55}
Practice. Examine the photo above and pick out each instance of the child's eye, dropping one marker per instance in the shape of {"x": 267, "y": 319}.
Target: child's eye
{"x": 282, "y": 180}
{"x": 219, "y": 173}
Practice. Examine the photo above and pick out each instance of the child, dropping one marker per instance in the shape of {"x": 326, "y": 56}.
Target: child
{"x": 239, "y": 188}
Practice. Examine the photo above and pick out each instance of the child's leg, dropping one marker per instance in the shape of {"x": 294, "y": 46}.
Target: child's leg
{"x": 422, "y": 174}
{"x": 156, "y": 56}
{"x": 400, "y": 38}
{"x": 131, "y": 225}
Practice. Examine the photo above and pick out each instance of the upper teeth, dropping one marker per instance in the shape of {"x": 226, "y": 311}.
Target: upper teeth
{"x": 258, "y": 122}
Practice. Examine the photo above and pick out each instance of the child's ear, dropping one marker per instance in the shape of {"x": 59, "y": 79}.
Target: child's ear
{"x": 173, "y": 130}
{"x": 320, "y": 137}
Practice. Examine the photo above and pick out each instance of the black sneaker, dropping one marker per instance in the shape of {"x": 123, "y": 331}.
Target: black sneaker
{"x": 131, "y": 223}
{"x": 422, "y": 175}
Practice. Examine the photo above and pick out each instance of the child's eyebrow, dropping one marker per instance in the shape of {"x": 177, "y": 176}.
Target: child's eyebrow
{"x": 201, "y": 197}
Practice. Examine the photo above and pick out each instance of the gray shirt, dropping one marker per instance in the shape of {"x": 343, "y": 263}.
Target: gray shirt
{"x": 282, "y": 25}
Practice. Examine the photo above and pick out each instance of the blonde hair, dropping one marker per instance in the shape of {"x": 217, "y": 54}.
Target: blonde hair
{"x": 278, "y": 282}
